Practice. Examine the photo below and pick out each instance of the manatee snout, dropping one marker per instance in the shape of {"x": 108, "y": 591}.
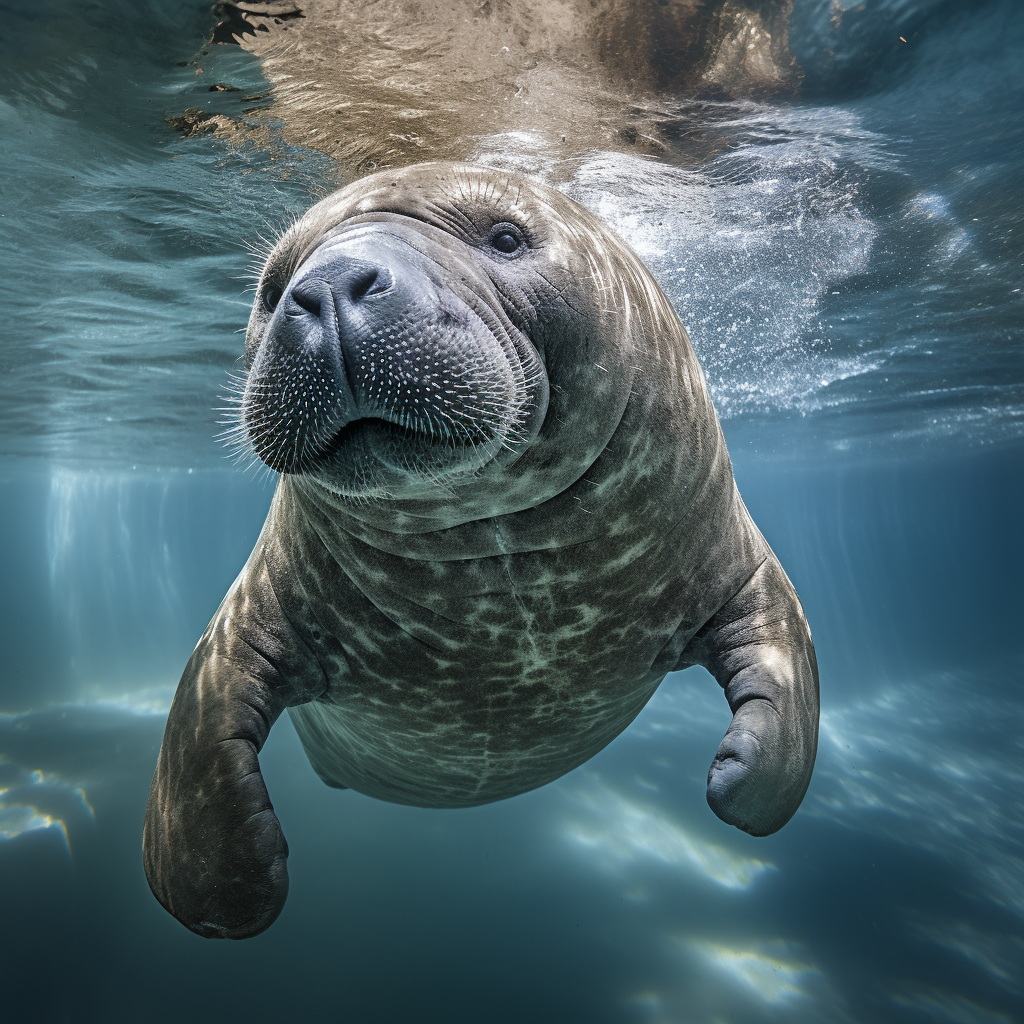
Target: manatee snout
{"x": 370, "y": 351}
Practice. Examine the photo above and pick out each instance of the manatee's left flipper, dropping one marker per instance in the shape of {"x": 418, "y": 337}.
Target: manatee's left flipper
{"x": 758, "y": 646}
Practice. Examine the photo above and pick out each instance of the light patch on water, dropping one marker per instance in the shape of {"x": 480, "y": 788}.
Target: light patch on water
{"x": 16, "y": 820}
{"x": 936, "y": 764}
{"x": 711, "y": 981}
{"x": 999, "y": 955}
{"x": 118, "y": 583}
{"x": 615, "y": 831}
{"x": 769, "y": 973}
{"x": 95, "y": 516}
{"x": 649, "y": 1002}
{"x": 30, "y": 801}
{"x": 522, "y": 152}
{"x": 954, "y": 241}
{"x": 149, "y": 700}
{"x": 51, "y": 757}
{"x": 957, "y": 244}
{"x": 944, "y": 1008}
{"x": 94, "y": 505}
{"x": 928, "y": 205}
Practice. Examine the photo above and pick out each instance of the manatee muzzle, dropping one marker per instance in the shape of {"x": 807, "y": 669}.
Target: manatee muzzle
{"x": 376, "y": 350}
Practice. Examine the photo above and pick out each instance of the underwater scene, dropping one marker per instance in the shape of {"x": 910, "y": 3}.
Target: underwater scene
{"x": 831, "y": 195}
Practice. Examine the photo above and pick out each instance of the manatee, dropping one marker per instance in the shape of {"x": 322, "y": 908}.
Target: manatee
{"x": 505, "y": 512}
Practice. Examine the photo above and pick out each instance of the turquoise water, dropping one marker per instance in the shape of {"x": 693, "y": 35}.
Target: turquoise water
{"x": 849, "y": 265}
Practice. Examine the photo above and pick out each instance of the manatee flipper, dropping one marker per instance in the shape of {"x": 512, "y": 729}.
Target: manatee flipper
{"x": 212, "y": 846}
{"x": 758, "y": 646}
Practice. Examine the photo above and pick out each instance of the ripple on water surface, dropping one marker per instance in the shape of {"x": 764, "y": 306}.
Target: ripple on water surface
{"x": 851, "y": 265}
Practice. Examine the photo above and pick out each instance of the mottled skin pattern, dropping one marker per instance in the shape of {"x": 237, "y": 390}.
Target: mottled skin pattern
{"x": 453, "y": 620}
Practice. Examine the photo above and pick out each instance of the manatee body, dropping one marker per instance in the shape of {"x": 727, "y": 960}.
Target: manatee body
{"x": 505, "y": 512}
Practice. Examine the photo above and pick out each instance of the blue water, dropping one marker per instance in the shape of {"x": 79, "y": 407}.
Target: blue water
{"x": 849, "y": 263}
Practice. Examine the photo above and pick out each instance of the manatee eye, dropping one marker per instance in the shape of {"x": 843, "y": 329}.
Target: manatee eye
{"x": 507, "y": 238}
{"x": 271, "y": 297}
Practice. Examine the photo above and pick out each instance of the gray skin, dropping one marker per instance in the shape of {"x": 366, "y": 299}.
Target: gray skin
{"x": 506, "y": 511}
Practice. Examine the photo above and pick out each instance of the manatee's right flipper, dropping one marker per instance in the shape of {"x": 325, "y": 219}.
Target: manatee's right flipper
{"x": 212, "y": 846}
{"x": 758, "y": 646}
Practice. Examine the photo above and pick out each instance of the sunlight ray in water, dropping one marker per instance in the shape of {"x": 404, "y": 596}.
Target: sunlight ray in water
{"x": 74, "y": 744}
{"x": 31, "y": 800}
{"x": 616, "y": 832}
{"x": 940, "y": 1007}
{"x": 934, "y": 783}
{"x": 1000, "y": 955}
{"x": 770, "y": 973}
{"x": 17, "y": 819}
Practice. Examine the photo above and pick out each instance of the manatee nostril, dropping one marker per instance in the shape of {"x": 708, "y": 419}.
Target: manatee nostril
{"x": 368, "y": 281}
{"x": 308, "y": 296}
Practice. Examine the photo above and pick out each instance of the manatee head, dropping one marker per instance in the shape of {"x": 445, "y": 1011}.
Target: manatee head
{"x": 445, "y": 330}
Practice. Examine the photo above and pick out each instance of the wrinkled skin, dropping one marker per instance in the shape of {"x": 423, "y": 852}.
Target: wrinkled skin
{"x": 506, "y": 511}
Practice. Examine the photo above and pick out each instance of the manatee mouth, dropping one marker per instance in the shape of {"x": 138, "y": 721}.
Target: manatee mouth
{"x": 375, "y": 429}
{"x": 365, "y": 442}
{"x": 387, "y": 440}
{"x": 369, "y": 428}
